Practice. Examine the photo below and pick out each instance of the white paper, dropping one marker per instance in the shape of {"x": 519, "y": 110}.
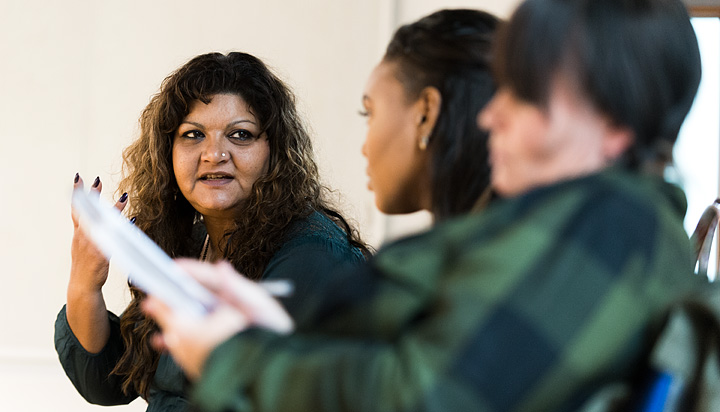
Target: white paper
{"x": 148, "y": 267}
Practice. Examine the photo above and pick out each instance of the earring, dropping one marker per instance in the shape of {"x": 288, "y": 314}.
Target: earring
{"x": 423, "y": 144}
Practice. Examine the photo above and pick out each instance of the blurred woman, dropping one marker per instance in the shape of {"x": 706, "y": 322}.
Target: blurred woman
{"x": 537, "y": 302}
{"x": 223, "y": 170}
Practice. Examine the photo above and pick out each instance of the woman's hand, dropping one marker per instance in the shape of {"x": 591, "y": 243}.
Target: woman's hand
{"x": 86, "y": 312}
{"x": 242, "y": 303}
{"x": 89, "y": 269}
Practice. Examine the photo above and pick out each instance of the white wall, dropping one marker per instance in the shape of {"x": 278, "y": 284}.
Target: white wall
{"x": 74, "y": 76}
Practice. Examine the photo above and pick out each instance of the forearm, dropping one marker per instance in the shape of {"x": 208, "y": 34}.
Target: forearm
{"x": 86, "y": 311}
{"x": 260, "y": 373}
{"x": 245, "y": 375}
{"x": 88, "y": 318}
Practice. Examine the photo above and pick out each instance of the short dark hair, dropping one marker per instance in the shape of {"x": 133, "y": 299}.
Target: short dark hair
{"x": 636, "y": 61}
{"x": 451, "y": 51}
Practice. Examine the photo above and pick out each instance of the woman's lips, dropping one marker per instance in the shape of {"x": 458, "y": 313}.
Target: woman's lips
{"x": 216, "y": 182}
{"x": 369, "y": 179}
{"x": 215, "y": 179}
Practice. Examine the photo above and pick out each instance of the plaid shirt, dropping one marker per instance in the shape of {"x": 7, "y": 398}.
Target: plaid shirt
{"x": 532, "y": 305}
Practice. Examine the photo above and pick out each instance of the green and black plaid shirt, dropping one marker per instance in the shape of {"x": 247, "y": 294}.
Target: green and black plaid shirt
{"x": 531, "y": 305}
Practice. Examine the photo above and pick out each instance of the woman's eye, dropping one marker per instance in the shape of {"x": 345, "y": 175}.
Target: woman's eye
{"x": 364, "y": 113}
{"x": 242, "y": 135}
{"x": 193, "y": 134}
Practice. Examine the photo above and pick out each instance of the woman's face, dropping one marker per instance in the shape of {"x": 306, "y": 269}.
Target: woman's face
{"x": 397, "y": 168}
{"x": 532, "y": 146}
{"x": 218, "y": 155}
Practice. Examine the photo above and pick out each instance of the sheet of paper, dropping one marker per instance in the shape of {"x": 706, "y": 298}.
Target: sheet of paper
{"x": 148, "y": 267}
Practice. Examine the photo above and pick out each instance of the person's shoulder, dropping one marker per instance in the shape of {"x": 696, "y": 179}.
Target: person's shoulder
{"x": 314, "y": 226}
{"x": 318, "y": 230}
{"x": 431, "y": 248}
{"x": 596, "y": 198}
{"x": 611, "y": 201}
{"x": 624, "y": 199}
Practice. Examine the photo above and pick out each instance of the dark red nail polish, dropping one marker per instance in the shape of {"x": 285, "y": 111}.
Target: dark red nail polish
{"x": 96, "y": 182}
{"x": 123, "y": 198}
{"x": 77, "y": 177}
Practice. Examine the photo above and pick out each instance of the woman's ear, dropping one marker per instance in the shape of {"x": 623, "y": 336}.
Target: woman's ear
{"x": 429, "y": 105}
{"x": 618, "y": 140}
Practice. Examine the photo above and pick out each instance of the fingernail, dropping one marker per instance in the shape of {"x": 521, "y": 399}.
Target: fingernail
{"x": 134, "y": 218}
{"x": 96, "y": 182}
{"x": 123, "y": 198}
{"x": 77, "y": 177}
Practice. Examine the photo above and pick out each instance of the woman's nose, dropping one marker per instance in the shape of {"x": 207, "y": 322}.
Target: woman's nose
{"x": 487, "y": 114}
{"x": 214, "y": 150}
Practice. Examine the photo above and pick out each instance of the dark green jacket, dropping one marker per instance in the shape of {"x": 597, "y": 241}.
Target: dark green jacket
{"x": 531, "y": 305}
{"x": 316, "y": 247}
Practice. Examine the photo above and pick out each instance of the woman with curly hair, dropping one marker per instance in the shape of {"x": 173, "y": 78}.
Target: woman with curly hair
{"x": 223, "y": 169}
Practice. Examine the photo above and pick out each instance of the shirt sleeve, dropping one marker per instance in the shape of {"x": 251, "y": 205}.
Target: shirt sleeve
{"x": 259, "y": 371}
{"x": 90, "y": 372}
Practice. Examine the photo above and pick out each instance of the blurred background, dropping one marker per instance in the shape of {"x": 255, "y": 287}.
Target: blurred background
{"x": 75, "y": 75}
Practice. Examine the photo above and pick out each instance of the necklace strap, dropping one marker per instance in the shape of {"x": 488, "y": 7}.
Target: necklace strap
{"x": 205, "y": 249}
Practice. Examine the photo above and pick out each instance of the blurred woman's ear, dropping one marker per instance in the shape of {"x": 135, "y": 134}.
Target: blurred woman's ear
{"x": 618, "y": 141}
{"x": 429, "y": 103}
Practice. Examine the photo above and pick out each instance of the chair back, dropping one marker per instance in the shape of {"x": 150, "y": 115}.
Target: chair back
{"x": 702, "y": 238}
{"x": 686, "y": 357}
{"x": 688, "y": 354}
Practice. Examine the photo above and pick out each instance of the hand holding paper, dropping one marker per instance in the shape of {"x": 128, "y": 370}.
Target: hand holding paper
{"x": 85, "y": 310}
{"x": 241, "y": 303}
{"x": 195, "y": 313}
{"x": 149, "y": 268}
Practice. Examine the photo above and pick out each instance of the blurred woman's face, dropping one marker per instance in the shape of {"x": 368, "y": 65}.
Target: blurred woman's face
{"x": 218, "y": 154}
{"x": 397, "y": 167}
{"x": 532, "y": 146}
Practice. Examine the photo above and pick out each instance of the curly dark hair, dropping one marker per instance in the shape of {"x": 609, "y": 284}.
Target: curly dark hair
{"x": 290, "y": 190}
